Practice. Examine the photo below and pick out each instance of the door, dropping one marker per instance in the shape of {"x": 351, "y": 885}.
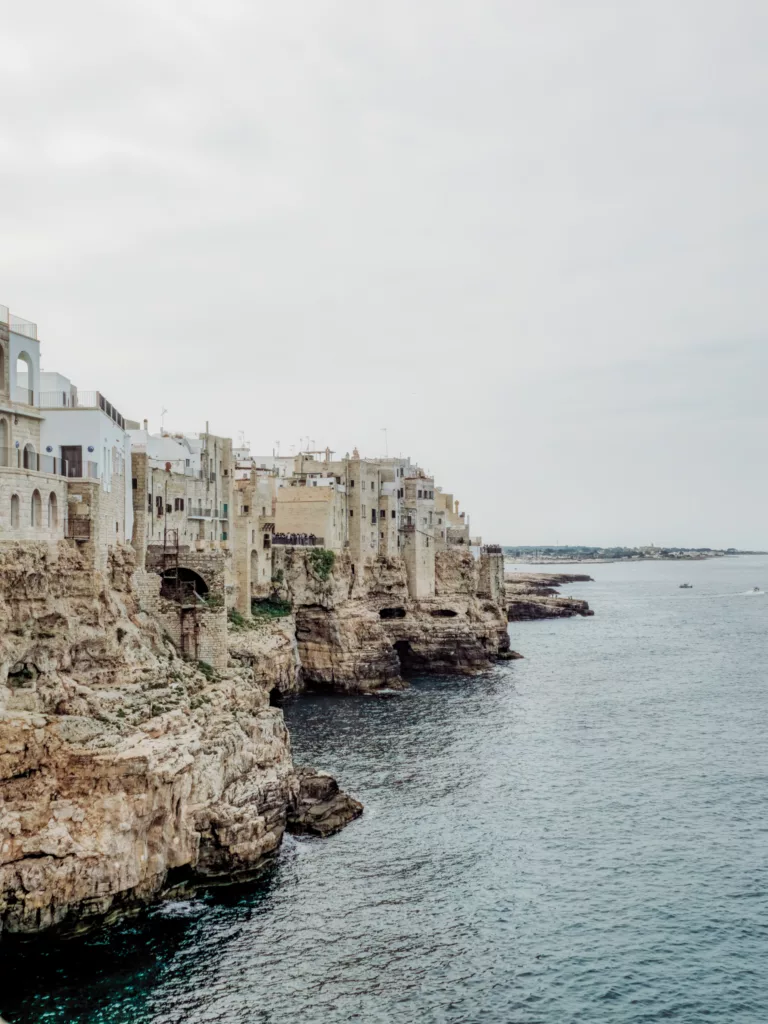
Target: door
{"x": 73, "y": 456}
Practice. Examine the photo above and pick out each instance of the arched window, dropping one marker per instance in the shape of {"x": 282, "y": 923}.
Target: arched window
{"x": 30, "y": 456}
{"x": 37, "y": 509}
{"x": 5, "y": 441}
{"x": 53, "y": 511}
{"x": 14, "y": 510}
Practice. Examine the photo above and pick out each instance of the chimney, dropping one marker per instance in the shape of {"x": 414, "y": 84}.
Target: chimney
{"x": 146, "y": 424}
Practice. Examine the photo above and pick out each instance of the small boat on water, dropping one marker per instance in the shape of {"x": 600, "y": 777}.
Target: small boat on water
{"x": 755, "y": 590}
{"x": 686, "y": 586}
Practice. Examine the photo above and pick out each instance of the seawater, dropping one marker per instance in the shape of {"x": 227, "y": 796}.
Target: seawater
{"x": 578, "y": 836}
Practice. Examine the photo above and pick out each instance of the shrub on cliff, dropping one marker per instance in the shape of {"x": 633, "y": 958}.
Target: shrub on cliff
{"x": 321, "y": 562}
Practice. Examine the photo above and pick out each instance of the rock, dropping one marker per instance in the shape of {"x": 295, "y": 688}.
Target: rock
{"x": 321, "y": 808}
{"x": 125, "y": 770}
{"x": 533, "y": 596}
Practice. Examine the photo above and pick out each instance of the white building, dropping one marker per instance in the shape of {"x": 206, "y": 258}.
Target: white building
{"x": 85, "y": 431}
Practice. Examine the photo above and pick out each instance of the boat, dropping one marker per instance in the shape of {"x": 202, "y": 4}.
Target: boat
{"x": 755, "y": 590}
{"x": 686, "y": 586}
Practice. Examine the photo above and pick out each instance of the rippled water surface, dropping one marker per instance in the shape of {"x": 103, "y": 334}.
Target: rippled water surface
{"x": 579, "y": 836}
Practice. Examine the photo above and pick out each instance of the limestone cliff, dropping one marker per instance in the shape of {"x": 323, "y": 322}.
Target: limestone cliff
{"x": 532, "y": 595}
{"x": 125, "y": 770}
{"x": 360, "y": 632}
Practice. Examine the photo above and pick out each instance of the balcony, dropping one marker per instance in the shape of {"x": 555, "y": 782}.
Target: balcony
{"x": 197, "y": 512}
{"x": 298, "y": 540}
{"x": 20, "y": 458}
{"x": 80, "y": 400}
{"x": 24, "y": 396}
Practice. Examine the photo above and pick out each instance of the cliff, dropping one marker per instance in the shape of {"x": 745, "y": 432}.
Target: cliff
{"x": 124, "y": 770}
{"x": 358, "y": 633}
{"x": 534, "y": 596}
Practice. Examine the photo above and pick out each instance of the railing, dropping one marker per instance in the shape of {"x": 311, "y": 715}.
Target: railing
{"x": 181, "y": 591}
{"x": 18, "y": 458}
{"x": 80, "y": 400}
{"x": 24, "y": 395}
{"x": 491, "y": 549}
{"x": 197, "y": 512}
{"x": 298, "y": 540}
{"x": 78, "y": 528}
{"x": 19, "y": 325}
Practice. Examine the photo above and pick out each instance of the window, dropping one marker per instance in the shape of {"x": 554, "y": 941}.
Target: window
{"x": 263, "y": 510}
{"x": 394, "y": 514}
{"x": 14, "y": 510}
{"x": 53, "y": 511}
{"x": 427, "y": 541}
{"x": 371, "y": 484}
{"x": 149, "y": 503}
{"x": 373, "y": 515}
{"x": 382, "y": 536}
{"x": 245, "y": 509}
{"x": 135, "y": 484}
{"x": 37, "y": 509}
{"x": 351, "y": 513}
{"x": 159, "y": 505}
{"x": 169, "y": 508}
{"x": 178, "y": 504}
{"x": 419, "y": 494}
{"x": 351, "y": 483}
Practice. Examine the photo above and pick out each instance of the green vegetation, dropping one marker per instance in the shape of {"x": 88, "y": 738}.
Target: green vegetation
{"x": 213, "y": 601}
{"x": 270, "y": 608}
{"x": 278, "y": 577}
{"x": 208, "y": 670}
{"x": 321, "y": 562}
{"x": 236, "y": 620}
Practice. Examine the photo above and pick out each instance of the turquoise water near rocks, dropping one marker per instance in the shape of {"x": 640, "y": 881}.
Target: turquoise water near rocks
{"x": 581, "y": 836}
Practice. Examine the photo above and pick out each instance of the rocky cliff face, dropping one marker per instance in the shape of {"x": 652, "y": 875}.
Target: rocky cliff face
{"x": 361, "y": 633}
{"x": 125, "y": 770}
{"x": 534, "y": 596}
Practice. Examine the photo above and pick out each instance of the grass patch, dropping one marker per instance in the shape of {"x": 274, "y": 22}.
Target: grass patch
{"x": 270, "y": 608}
{"x": 208, "y": 670}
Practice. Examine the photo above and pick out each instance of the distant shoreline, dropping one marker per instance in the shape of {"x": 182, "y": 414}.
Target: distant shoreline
{"x": 571, "y": 560}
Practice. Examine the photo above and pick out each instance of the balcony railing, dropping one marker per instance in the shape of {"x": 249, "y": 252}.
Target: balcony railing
{"x": 19, "y": 325}
{"x": 18, "y": 458}
{"x": 24, "y": 395}
{"x": 197, "y": 512}
{"x": 80, "y": 400}
{"x": 298, "y": 539}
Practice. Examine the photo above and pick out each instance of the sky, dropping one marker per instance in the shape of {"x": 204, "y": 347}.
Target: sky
{"x": 526, "y": 238}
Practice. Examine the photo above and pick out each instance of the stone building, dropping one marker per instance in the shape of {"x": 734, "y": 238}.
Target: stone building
{"x": 63, "y": 453}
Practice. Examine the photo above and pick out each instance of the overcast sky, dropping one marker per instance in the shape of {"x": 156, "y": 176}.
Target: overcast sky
{"x": 528, "y": 237}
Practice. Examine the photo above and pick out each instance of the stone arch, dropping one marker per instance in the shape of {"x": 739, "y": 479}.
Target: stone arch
{"x": 36, "y": 509}
{"x": 182, "y": 584}
{"x": 15, "y": 510}
{"x": 28, "y": 368}
{"x": 30, "y": 456}
{"x": 53, "y": 511}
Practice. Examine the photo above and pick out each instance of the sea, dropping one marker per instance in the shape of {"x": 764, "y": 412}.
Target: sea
{"x": 577, "y": 836}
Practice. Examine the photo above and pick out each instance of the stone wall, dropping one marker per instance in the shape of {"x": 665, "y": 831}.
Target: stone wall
{"x": 24, "y": 483}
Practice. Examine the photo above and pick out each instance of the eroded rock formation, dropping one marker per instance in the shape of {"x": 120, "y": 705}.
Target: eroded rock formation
{"x": 362, "y": 633}
{"x": 533, "y": 595}
{"x": 123, "y": 768}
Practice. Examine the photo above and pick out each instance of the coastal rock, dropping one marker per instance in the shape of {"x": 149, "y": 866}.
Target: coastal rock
{"x": 125, "y": 771}
{"x": 360, "y": 632}
{"x": 534, "y": 596}
{"x": 320, "y": 808}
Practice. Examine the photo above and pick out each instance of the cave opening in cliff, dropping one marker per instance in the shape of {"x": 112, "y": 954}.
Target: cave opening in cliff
{"x": 392, "y": 613}
{"x": 444, "y": 613}
{"x": 409, "y": 661}
{"x": 275, "y": 698}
